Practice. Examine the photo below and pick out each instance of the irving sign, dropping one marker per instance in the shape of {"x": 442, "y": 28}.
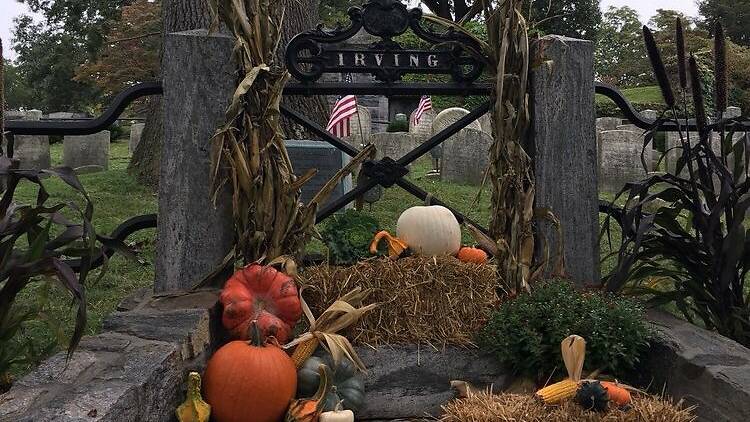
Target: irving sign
{"x": 409, "y": 60}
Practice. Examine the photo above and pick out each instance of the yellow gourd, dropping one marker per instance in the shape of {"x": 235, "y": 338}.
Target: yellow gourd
{"x": 337, "y": 415}
{"x": 193, "y": 409}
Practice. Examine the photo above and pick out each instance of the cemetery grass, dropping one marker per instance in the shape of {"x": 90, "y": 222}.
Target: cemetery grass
{"x": 639, "y": 95}
{"x": 117, "y": 197}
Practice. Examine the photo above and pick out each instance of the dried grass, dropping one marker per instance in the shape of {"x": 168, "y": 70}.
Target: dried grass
{"x": 435, "y": 301}
{"x": 483, "y": 407}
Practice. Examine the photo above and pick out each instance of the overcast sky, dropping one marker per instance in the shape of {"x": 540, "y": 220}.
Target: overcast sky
{"x": 9, "y": 9}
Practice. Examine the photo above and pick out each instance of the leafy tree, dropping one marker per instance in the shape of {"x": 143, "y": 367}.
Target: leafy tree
{"x": 574, "y": 18}
{"x": 733, "y": 14}
{"x": 46, "y": 63}
{"x": 131, "y": 51}
{"x": 334, "y": 11}
{"x": 17, "y": 93}
{"x": 620, "y": 56}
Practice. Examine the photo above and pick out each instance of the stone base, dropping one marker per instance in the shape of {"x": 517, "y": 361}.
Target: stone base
{"x": 134, "y": 371}
{"x": 701, "y": 367}
{"x": 407, "y": 382}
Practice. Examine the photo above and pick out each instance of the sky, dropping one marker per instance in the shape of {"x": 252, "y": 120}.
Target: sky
{"x": 9, "y": 9}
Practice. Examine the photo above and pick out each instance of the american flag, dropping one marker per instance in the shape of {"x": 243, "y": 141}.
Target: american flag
{"x": 339, "y": 124}
{"x": 424, "y": 104}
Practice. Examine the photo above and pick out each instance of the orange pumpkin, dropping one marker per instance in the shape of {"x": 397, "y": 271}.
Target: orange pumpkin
{"x": 617, "y": 394}
{"x": 263, "y": 294}
{"x": 249, "y": 381}
{"x": 473, "y": 255}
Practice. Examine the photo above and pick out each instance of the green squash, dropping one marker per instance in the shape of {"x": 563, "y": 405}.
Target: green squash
{"x": 347, "y": 385}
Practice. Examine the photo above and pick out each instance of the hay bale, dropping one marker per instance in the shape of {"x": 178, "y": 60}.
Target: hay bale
{"x": 487, "y": 407}
{"x": 434, "y": 301}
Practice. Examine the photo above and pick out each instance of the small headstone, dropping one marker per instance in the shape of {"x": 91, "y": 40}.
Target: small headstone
{"x": 650, "y": 114}
{"x": 620, "y": 159}
{"x": 446, "y": 118}
{"x": 136, "y": 131}
{"x": 31, "y": 150}
{"x": 607, "y": 123}
{"x": 361, "y": 128}
{"x": 85, "y": 150}
{"x": 422, "y": 131}
{"x": 466, "y": 157}
{"x": 326, "y": 158}
{"x": 732, "y": 112}
{"x": 485, "y": 122}
{"x": 14, "y": 115}
{"x": 393, "y": 144}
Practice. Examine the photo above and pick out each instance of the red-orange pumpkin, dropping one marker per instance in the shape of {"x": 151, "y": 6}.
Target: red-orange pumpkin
{"x": 263, "y": 294}
{"x": 249, "y": 382}
{"x": 473, "y": 255}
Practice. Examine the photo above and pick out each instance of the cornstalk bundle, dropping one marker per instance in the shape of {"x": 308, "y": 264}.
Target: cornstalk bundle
{"x": 511, "y": 169}
{"x": 248, "y": 152}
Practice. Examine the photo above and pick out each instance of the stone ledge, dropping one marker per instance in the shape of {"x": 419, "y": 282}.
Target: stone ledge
{"x": 134, "y": 371}
{"x": 701, "y": 367}
{"x": 406, "y": 382}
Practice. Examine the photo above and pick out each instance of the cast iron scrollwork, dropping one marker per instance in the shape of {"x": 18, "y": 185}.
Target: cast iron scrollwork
{"x": 313, "y": 53}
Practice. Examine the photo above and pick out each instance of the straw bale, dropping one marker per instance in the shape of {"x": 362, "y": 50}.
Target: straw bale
{"x": 435, "y": 301}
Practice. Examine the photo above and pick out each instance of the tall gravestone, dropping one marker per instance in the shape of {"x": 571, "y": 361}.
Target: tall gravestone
{"x": 87, "y": 150}
{"x": 136, "y": 131}
{"x": 565, "y": 158}
{"x": 620, "y": 159}
{"x": 194, "y": 235}
{"x": 446, "y": 118}
{"x": 32, "y": 151}
{"x": 466, "y": 157}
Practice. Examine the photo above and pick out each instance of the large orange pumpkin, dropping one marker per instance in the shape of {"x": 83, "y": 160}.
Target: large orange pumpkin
{"x": 249, "y": 381}
{"x": 263, "y": 294}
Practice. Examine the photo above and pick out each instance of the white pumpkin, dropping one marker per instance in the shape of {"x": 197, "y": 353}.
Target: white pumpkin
{"x": 429, "y": 230}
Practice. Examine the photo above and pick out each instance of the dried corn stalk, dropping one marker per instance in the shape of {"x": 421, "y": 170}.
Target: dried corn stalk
{"x": 511, "y": 169}
{"x": 248, "y": 152}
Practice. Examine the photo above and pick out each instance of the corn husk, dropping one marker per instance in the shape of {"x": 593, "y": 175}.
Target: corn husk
{"x": 342, "y": 314}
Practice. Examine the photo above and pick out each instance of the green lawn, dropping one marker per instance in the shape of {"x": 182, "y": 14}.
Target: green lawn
{"x": 641, "y": 94}
{"x": 117, "y": 197}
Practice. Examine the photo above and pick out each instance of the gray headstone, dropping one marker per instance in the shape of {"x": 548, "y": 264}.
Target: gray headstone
{"x": 650, "y": 114}
{"x": 136, "y": 130}
{"x": 87, "y": 150}
{"x": 32, "y": 151}
{"x": 564, "y": 136}
{"x": 451, "y": 115}
{"x": 620, "y": 159}
{"x": 423, "y": 130}
{"x": 607, "y": 123}
{"x": 732, "y": 112}
{"x": 361, "y": 128}
{"x": 485, "y": 122}
{"x": 324, "y": 157}
{"x": 14, "y": 115}
{"x": 393, "y": 144}
{"x": 194, "y": 235}
{"x": 466, "y": 157}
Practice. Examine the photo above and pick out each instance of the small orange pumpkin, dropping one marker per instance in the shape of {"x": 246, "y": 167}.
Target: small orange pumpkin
{"x": 473, "y": 255}
{"x": 616, "y": 393}
{"x": 263, "y": 294}
{"x": 249, "y": 381}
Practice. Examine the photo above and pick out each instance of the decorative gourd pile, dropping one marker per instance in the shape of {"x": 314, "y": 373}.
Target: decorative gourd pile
{"x": 428, "y": 231}
{"x": 570, "y": 400}
{"x": 253, "y": 379}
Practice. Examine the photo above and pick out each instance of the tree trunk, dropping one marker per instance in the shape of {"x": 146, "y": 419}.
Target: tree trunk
{"x": 182, "y": 15}
{"x": 177, "y": 15}
{"x": 301, "y": 16}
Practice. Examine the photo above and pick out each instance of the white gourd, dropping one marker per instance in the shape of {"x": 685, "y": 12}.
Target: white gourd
{"x": 337, "y": 415}
{"x": 429, "y": 230}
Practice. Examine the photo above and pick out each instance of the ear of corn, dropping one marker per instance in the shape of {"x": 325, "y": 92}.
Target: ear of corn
{"x": 303, "y": 351}
{"x": 558, "y": 392}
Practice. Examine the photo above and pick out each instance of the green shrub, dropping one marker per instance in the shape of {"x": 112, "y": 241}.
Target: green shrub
{"x": 525, "y": 333}
{"x": 348, "y": 236}
{"x": 398, "y": 125}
